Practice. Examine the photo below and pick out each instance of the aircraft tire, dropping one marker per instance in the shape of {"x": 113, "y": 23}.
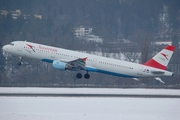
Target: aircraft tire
{"x": 86, "y": 76}
{"x": 79, "y": 75}
{"x": 19, "y": 63}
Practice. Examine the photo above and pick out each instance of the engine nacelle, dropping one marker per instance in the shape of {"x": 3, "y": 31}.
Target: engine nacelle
{"x": 61, "y": 65}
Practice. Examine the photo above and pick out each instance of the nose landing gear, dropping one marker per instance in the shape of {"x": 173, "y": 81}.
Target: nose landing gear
{"x": 19, "y": 62}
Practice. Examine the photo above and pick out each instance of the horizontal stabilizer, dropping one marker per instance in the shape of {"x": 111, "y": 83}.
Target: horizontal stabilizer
{"x": 159, "y": 79}
{"x": 136, "y": 79}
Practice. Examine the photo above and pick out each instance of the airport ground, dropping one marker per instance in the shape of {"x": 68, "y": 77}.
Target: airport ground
{"x": 88, "y": 103}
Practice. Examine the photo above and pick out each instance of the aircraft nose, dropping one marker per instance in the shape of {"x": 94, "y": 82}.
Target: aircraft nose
{"x": 5, "y": 48}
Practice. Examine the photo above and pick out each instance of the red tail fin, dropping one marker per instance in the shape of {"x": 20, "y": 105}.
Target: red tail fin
{"x": 161, "y": 59}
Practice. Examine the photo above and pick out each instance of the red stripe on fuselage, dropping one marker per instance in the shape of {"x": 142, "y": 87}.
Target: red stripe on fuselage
{"x": 171, "y": 48}
{"x": 153, "y": 63}
{"x": 29, "y": 46}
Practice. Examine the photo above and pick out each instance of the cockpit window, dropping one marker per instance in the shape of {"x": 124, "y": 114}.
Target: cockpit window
{"x": 12, "y": 44}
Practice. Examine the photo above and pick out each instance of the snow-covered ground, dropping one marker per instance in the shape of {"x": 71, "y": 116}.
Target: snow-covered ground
{"x": 89, "y": 108}
{"x": 90, "y": 91}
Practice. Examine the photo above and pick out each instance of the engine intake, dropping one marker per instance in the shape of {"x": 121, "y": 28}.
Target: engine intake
{"x": 61, "y": 65}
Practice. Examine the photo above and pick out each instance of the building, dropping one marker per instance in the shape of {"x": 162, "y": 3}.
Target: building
{"x": 162, "y": 43}
{"x": 38, "y": 16}
{"x": 4, "y": 12}
{"x": 15, "y": 14}
{"x": 82, "y": 31}
{"x": 85, "y": 33}
{"x": 94, "y": 38}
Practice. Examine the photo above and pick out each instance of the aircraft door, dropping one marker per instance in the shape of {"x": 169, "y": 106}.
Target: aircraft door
{"x": 53, "y": 55}
{"x": 140, "y": 70}
{"x": 19, "y": 47}
{"x": 94, "y": 62}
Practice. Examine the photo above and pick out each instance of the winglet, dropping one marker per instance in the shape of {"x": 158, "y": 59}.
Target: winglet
{"x": 161, "y": 59}
{"x": 85, "y": 59}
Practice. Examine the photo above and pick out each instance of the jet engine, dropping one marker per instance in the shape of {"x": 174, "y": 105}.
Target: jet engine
{"x": 61, "y": 65}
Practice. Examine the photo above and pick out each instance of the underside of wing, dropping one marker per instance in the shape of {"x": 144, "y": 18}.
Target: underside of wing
{"x": 79, "y": 63}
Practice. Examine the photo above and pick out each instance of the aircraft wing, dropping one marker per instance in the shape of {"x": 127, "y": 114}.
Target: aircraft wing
{"x": 77, "y": 63}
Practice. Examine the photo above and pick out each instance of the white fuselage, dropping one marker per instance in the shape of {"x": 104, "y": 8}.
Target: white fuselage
{"x": 93, "y": 63}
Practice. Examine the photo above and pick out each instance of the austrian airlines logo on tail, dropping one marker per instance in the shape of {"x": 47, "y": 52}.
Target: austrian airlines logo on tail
{"x": 161, "y": 59}
{"x": 32, "y": 47}
{"x": 165, "y": 56}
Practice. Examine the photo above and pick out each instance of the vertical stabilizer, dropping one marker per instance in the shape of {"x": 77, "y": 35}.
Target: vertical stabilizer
{"x": 161, "y": 59}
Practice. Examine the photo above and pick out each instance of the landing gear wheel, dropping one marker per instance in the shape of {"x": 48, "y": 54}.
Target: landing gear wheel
{"x": 86, "y": 76}
{"x": 79, "y": 76}
{"x": 19, "y": 63}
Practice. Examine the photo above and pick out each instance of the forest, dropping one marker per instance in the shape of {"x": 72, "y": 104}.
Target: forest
{"x": 143, "y": 22}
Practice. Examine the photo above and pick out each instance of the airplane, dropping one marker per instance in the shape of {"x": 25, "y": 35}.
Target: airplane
{"x": 64, "y": 59}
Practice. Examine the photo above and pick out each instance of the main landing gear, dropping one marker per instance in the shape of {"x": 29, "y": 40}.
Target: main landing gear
{"x": 79, "y": 76}
{"x": 19, "y": 62}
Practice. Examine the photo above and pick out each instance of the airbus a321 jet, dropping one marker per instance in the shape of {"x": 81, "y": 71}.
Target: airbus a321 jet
{"x": 63, "y": 59}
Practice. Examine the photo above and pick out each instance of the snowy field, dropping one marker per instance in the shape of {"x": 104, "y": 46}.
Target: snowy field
{"x": 88, "y": 108}
{"x": 89, "y": 91}
{"x": 72, "y": 108}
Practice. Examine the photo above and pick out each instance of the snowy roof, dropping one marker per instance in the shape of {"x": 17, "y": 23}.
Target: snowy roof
{"x": 162, "y": 43}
